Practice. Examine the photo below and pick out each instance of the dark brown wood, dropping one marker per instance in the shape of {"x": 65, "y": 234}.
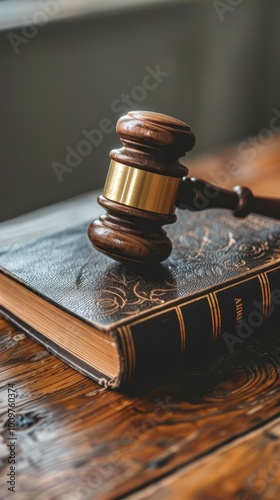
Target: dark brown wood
{"x": 246, "y": 469}
{"x": 76, "y": 440}
{"x": 196, "y": 194}
{"x": 206, "y": 434}
{"x": 139, "y": 234}
{"x": 153, "y": 142}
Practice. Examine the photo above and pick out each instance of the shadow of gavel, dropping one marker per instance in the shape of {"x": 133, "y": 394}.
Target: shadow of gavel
{"x": 145, "y": 184}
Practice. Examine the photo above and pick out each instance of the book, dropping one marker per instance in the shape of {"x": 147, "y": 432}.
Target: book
{"x": 120, "y": 325}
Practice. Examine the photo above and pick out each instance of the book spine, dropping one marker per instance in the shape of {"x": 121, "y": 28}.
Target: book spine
{"x": 225, "y": 316}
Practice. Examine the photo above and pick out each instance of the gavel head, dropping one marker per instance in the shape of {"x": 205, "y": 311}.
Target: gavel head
{"x": 140, "y": 191}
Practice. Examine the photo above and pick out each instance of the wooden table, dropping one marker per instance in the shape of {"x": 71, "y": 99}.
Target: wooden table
{"x": 201, "y": 434}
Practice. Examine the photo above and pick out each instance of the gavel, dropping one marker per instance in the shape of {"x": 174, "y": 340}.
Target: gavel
{"x": 145, "y": 184}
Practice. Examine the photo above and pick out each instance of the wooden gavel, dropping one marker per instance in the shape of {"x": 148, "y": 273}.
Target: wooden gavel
{"x": 145, "y": 184}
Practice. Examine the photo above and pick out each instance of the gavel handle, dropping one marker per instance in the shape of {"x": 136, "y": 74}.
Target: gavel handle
{"x": 196, "y": 194}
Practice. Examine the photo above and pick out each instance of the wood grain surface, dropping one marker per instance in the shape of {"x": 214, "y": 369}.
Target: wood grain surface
{"x": 76, "y": 440}
{"x": 208, "y": 433}
{"x": 256, "y": 166}
{"x": 248, "y": 468}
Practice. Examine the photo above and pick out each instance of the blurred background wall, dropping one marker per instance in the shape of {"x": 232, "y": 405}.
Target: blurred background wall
{"x": 212, "y": 64}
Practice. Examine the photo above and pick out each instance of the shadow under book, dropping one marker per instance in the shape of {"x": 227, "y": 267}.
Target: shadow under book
{"x": 122, "y": 325}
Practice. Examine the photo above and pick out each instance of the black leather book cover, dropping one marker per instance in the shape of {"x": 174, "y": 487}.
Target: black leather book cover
{"x": 213, "y": 253}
